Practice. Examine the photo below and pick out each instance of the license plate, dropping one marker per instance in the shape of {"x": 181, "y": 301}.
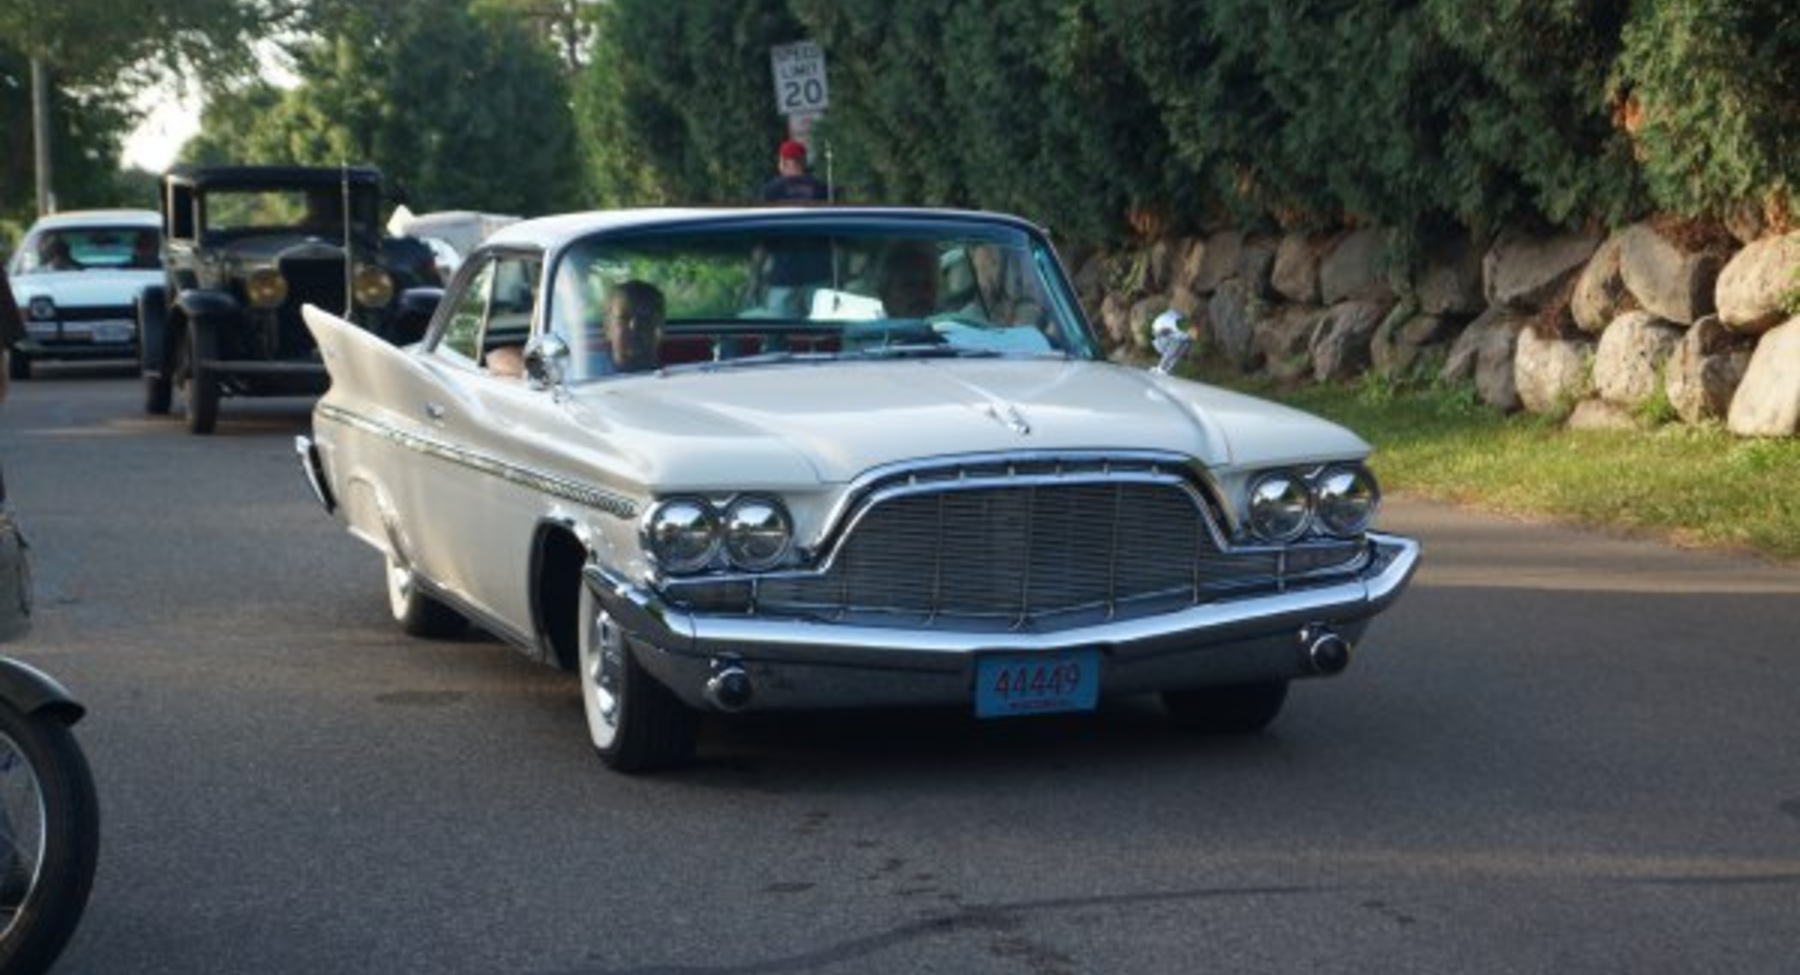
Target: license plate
{"x": 1037, "y": 683}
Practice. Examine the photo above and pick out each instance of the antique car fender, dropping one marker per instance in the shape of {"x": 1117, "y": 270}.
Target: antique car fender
{"x": 207, "y": 306}
{"x": 31, "y": 691}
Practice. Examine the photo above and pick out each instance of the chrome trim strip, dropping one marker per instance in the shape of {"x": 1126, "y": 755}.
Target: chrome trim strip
{"x": 612, "y": 503}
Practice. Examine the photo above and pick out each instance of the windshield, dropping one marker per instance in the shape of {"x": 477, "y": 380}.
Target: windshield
{"x": 316, "y": 209}
{"x": 737, "y": 297}
{"x": 89, "y": 248}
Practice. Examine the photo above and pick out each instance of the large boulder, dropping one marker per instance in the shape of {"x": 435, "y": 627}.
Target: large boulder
{"x": 1256, "y": 262}
{"x": 1628, "y": 362}
{"x": 1341, "y": 348}
{"x": 1218, "y": 261}
{"x": 1295, "y": 276}
{"x": 1524, "y": 273}
{"x": 1767, "y": 403}
{"x": 1705, "y": 370}
{"x": 1405, "y": 338}
{"x": 1450, "y": 281}
{"x": 1751, "y": 288}
{"x": 1484, "y": 353}
{"x": 1550, "y": 374}
{"x": 1186, "y": 270}
{"x": 1667, "y": 279}
{"x": 1353, "y": 267}
{"x": 1228, "y": 312}
{"x": 1283, "y": 340}
{"x": 1600, "y": 293}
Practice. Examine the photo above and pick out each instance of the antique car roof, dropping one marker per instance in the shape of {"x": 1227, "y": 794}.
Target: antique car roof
{"x": 149, "y": 219}
{"x": 236, "y": 175}
{"x": 552, "y": 232}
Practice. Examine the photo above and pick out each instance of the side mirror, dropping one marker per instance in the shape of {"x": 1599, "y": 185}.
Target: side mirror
{"x": 546, "y": 360}
{"x": 1170, "y": 338}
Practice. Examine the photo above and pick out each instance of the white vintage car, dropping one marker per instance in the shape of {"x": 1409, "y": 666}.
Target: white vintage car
{"x": 76, "y": 277}
{"x": 834, "y": 457}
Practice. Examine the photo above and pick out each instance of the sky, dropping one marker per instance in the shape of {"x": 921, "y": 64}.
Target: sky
{"x": 173, "y": 118}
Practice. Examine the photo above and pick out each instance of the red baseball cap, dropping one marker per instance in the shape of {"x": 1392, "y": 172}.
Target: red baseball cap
{"x": 793, "y": 149}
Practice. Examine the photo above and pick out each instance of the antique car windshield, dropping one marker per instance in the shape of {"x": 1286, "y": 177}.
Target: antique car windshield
{"x": 87, "y": 248}
{"x": 742, "y": 296}
{"x": 310, "y": 209}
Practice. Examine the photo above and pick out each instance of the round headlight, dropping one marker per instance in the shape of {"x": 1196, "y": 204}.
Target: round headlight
{"x": 683, "y": 535}
{"x": 757, "y": 533}
{"x": 265, "y": 288}
{"x": 1280, "y": 508}
{"x": 374, "y": 289}
{"x": 1348, "y": 497}
{"x": 43, "y": 308}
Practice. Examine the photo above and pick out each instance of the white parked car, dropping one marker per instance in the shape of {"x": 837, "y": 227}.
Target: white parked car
{"x": 76, "y": 277}
{"x": 834, "y": 457}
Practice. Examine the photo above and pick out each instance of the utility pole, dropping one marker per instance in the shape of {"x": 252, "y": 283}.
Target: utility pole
{"x": 40, "y": 135}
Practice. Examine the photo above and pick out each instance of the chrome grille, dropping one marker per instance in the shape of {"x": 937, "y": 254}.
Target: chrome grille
{"x": 1009, "y": 548}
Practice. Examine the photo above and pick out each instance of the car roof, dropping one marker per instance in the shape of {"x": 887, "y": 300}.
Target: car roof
{"x": 551, "y": 233}
{"x": 121, "y": 217}
{"x": 204, "y": 176}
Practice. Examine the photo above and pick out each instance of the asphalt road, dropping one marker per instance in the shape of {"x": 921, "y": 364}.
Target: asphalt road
{"x": 1560, "y": 753}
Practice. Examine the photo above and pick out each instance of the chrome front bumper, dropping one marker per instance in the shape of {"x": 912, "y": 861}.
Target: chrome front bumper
{"x": 806, "y": 664}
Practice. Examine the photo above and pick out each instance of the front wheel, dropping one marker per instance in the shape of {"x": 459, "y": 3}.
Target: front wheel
{"x": 1237, "y": 709}
{"x": 200, "y": 387}
{"x": 49, "y": 838}
{"x": 636, "y": 724}
{"x": 418, "y": 613}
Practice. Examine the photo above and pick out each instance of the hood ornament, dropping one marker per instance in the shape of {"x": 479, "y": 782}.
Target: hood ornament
{"x": 1009, "y": 415}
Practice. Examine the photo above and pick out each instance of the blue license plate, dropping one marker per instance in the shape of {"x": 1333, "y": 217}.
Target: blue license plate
{"x": 1036, "y": 683}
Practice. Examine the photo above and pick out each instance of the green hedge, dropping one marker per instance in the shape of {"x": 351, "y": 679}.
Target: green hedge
{"x": 1105, "y": 117}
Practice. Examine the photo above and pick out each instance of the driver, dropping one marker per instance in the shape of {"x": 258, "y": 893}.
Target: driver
{"x": 632, "y": 331}
{"x": 909, "y": 281}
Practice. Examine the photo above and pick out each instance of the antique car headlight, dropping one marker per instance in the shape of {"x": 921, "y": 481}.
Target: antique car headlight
{"x": 42, "y": 308}
{"x": 374, "y": 289}
{"x": 1348, "y": 497}
{"x": 682, "y": 535}
{"x": 1280, "y": 507}
{"x": 265, "y": 288}
{"x": 757, "y": 533}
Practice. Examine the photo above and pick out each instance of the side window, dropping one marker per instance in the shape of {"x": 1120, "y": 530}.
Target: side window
{"x": 514, "y": 293}
{"x": 462, "y": 335}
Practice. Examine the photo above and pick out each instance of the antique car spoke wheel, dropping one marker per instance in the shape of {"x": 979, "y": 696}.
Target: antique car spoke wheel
{"x": 417, "y": 613}
{"x": 635, "y": 724}
{"x": 200, "y": 388}
{"x": 1239, "y": 709}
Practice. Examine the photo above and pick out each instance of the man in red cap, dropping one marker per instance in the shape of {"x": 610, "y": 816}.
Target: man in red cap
{"x": 794, "y": 184}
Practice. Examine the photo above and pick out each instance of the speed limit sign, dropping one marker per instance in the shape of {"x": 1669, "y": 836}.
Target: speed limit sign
{"x": 799, "y": 78}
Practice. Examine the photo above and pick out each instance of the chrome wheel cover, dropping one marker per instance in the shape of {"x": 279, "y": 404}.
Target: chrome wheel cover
{"x": 602, "y": 671}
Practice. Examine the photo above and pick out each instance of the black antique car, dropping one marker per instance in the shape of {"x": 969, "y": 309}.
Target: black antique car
{"x": 245, "y": 248}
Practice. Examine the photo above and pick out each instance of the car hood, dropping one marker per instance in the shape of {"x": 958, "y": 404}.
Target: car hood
{"x": 94, "y": 287}
{"x": 766, "y": 425}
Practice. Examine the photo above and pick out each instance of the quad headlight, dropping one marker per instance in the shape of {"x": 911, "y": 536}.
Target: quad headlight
{"x": 1280, "y": 507}
{"x": 41, "y": 309}
{"x": 686, "y": 535}
{"x": 683, "y": 535}
{"x": 1347, "y": 499}
{"x": 1339, "y": 500}
{"x": 757, "y": 533}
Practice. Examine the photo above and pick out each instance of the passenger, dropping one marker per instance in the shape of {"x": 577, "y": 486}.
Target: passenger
{"x": 54, "y": 254}
{"x": 909, "y": 281}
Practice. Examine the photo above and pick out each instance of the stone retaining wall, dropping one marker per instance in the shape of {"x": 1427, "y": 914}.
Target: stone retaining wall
{"x": 1652, "y": 321}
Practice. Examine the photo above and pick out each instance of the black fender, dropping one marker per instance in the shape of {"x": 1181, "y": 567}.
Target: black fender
{"x": 207, "y": 306}
{"x": 153, "y": 329}
{"x": 32, "y": 691}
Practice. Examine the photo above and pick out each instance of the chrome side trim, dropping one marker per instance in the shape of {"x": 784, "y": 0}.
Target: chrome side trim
{"x": 589, "y": 495}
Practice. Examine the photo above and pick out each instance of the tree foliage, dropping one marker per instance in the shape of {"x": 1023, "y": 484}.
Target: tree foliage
{"x": 462, "y": 107}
